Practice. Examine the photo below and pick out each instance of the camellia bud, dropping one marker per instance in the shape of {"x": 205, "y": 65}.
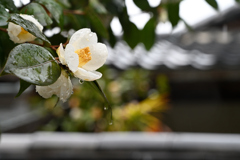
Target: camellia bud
{"x": 18, "y": 34}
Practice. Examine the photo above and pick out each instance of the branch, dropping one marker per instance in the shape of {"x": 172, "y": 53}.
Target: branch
{"x": 77, "y": 12}
{"x": 3, "y": 29}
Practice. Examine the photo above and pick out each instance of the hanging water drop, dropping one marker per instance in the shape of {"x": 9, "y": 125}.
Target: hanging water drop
{"x": 105, "y": 108}
{"x": 81, "y": 81}
{"x": 110, "y": 123}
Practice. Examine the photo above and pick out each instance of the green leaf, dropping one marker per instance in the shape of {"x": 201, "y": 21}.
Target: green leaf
{"x": 6, "y": 45}
{"x": 23, "y": 86}
{"x": 98, "y": 7}
{"x": 142, "y": 4}
{"x": 238, "y": 1}
{"x": 33, "y": 64}
{"x": 96, "y": 22}
{"x": 112, "y": 38}
{"x": 9, "y": 4}
{"x": 213, "y": 3}
{"x": 96, "y": 86}
{"x": 148, "y": 33}
{"x": 64, "y": 3}
{"x": 38, "y": 12}
{"x": 173, "y": 12}
{"x": 28, "y": 26}
{"x": 131, "y": 35}
{"x": 4, "y": 15}
{"x": 55, "y": 9}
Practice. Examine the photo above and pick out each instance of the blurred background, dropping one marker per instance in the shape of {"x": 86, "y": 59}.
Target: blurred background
{"x": 172, "y": 79}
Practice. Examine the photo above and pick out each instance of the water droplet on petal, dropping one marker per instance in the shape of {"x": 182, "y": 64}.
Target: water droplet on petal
{"x": 81, "y": 81}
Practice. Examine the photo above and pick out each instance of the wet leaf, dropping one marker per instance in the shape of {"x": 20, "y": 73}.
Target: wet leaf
{"x": 4, "y": 15}
{"x": 213, "y": 3}
{"x": 38, "y": 12}
{"x": 28, "y": 26}
{"x": 55, "y": 9}
{"x": 9, "y": 4}
{"x": 33, "y": 64}
{"x": 23, "y": 86}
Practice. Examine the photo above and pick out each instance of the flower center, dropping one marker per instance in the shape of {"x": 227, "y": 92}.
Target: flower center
{"x": 84, "y": 56}
{"x": 23, "y": 31}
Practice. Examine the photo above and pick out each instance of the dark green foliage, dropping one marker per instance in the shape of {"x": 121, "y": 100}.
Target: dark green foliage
{"x": 38, "y": 12}
{"x": 213, "y": 3}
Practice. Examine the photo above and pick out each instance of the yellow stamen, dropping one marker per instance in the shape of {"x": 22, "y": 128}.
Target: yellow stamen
{"x": 23, "y": 31}
{"x": 84, "y": 56}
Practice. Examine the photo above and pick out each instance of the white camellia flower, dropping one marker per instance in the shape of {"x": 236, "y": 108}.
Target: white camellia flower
{"x": 84, "y": 55}
{"x": 62, "y": 88}
{"x": 19, "y": 35}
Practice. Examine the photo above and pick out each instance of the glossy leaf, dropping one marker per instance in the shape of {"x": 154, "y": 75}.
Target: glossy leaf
{"x": 28, "y": 26}
{"x": 55, "y": 9}
{"x": 173, "y": 12}
{"x": 23, "y": 86}
{"x": 4, "y": 15}
{"x": 148, "y": 33}
{"x": 142, "y": 4}
{"x": 33, "y": 64}
{"x": 38, "y": 12}
{"x": 9, "y": 4}
{"x": 96, "y": 23}
{"x": 213, "y": 3}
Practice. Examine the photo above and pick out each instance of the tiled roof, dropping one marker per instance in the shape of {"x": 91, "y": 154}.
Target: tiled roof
{"x": 199, "y": 50}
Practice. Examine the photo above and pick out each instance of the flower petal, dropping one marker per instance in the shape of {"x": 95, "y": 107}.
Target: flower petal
{"x": 87, "y": 75}
{"x": 13, "y": 31}
{"x": 62, "y": 88}
{"x": 44, "y": 91}
{"x": 99, "y": 55}
{"x": 71, "y": 58}
{"x": 83, "y": 38}
{"x": 60, "y": 52}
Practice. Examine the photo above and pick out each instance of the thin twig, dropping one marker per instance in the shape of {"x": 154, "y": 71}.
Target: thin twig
{"x": 3, "y": 29}
{"x": 77, "y": 12}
